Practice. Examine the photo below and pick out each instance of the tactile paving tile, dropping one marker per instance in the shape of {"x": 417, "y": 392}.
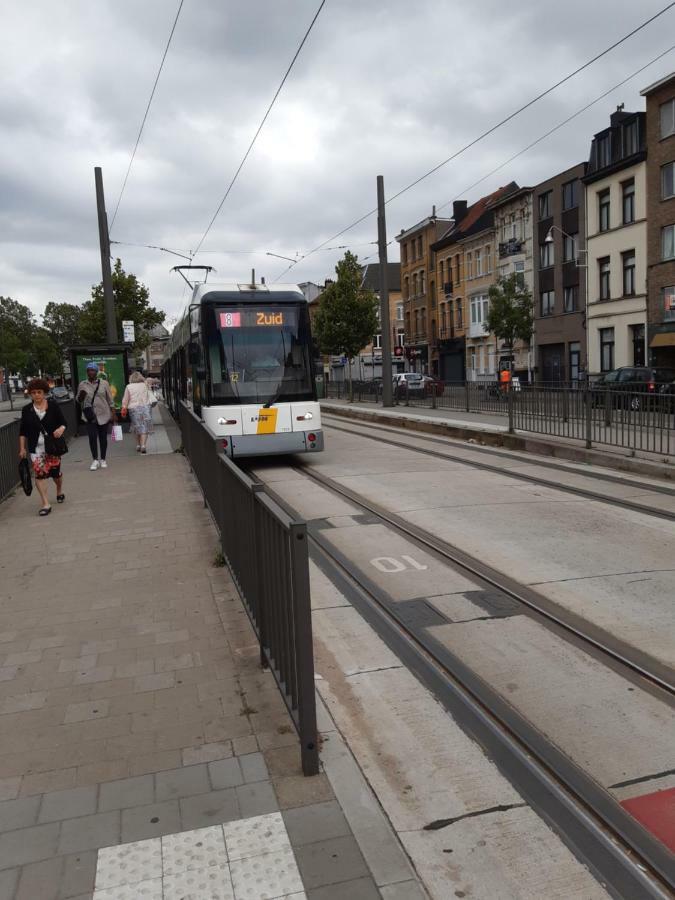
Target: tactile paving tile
{"x": 259, "y": 834}
{"x": 190, "y": 850}
{"x": 266, "y": 877}
{"x": 141, "y": 890}
{"x": 213, "y": 883}
{"x": 129, "y": 863}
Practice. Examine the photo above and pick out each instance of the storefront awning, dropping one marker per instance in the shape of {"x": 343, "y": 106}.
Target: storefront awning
{"x": 663, "y": 340}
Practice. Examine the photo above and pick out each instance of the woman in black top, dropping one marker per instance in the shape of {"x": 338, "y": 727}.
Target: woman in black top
{"x": 38, "y": 417}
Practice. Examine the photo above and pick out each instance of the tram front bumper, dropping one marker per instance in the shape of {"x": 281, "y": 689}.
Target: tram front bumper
{"x": 272, "y": 444}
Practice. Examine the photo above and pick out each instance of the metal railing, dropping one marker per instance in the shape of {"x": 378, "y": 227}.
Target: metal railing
{"x": 9, "y": 447}
{"x": 637, "y": 419}
{"x": 267, "y": 555}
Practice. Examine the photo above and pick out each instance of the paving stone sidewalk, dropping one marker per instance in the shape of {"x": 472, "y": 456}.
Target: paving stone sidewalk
{"x": 132, "y": 704}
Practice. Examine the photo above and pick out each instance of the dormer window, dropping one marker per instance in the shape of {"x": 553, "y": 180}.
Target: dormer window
{"x": 602, "y": 152}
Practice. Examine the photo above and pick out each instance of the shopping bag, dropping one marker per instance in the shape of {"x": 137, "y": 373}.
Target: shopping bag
{"x": 116, "y": 434}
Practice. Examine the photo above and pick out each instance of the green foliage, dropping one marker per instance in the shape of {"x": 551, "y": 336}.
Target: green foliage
{"x": 131, "y": 302}
{"x": 17, "y": 326}
{"x": 346, "y": 319}
{"x": 62, "y": 321}
{"x": 510, "y": 317}
{"x": 44, "y": 355}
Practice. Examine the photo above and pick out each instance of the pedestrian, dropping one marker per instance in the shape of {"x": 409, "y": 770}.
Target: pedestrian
{"x": 98, "y": 408}
{"x": 138, "y": 401}
{"x": 39, "y": 419}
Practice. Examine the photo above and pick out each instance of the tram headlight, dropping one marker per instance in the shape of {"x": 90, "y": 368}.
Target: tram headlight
{"x": 305, "y": 417}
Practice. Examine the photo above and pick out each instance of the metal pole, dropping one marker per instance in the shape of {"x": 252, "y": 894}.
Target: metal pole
{"x": 384, "y": 296}
{"x": 104, "y": 241}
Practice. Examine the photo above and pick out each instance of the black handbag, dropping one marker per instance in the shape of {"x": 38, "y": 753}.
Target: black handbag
{"x": 88, "y": 411}
{"x": 54, "y": 446}
{"x": 24, "y": 477}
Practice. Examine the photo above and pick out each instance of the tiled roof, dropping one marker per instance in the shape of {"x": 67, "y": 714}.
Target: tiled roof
{"x": 478, "y": 217}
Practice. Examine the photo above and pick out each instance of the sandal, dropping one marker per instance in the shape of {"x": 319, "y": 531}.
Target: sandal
{"x": 60, "y": 498}
{"x": 45, "y": 511}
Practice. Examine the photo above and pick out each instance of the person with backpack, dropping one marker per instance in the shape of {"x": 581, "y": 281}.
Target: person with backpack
{"x": 41, "y": 437}
{"x": 98, "y": 408}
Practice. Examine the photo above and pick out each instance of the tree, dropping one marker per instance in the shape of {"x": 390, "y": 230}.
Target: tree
{"x": 17, "y": 327}
{"x": 131, "y": 302}
{"x": 62, "y": 321}
{"x": 44, "y": 355}
{"x": 510, "y": 317}
{"x": 346, "y": 319}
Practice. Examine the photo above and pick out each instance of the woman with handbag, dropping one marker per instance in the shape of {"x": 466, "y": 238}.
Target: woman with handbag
{"x": 138, "y": 401}
{"x": 98, "y": 408}
{"x": 41, "y": 436}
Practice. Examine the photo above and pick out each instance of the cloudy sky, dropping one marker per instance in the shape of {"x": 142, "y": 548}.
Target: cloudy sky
{"x": 380, "y": 88}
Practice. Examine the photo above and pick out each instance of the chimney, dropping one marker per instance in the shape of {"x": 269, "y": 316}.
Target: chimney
{"x": 433, "y": 211}
{"x": 459, "y": 208}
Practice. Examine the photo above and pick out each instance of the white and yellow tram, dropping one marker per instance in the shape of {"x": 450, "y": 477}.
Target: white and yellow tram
{"x": 241, "y": 358}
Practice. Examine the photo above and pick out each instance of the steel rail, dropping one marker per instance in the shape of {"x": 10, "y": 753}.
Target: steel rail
{"x": 590, "y": 821}
{"x": 534, "y": 479}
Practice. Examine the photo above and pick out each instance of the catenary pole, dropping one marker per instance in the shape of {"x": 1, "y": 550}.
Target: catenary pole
{"x": 384, "y": 296}
{"x": 104, "y": 241}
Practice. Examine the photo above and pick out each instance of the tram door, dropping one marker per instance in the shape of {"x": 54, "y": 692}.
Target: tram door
{"x": 196, "y": 352}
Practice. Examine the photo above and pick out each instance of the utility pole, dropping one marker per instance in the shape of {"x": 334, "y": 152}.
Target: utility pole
{"x": 104, "y": 241}
{"x": 387, "y": 399}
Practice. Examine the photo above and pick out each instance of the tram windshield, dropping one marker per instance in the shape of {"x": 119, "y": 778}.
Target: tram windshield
{"x": 259, "y": 354}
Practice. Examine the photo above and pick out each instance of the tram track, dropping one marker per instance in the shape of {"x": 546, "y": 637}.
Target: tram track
{"x": 624, "y": 857}
{"x": 586, "y": 493}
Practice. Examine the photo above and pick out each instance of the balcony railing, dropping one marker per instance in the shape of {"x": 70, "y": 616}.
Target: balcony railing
{"x": 510, "y": 247}
{"x": 446, "y": 332}
{"x": 477, "y": 330}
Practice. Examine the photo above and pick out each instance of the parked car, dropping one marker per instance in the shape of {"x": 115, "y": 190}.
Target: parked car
{"x": 61, "y": 393}
{"x": 408, "y": 383}
{"x": 634, "y": 387}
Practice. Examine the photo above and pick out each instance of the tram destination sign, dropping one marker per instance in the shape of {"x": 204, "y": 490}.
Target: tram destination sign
{"x": 252, "y": 318}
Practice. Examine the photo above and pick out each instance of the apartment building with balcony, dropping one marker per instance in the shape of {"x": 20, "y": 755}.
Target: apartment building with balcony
{"x": 470, "y": 243}
{"x": 418, "y": 287}
{"x": 513, "y": 235}
{"x": 559, "y": 291}
{"x": 660, "y": 127}
{"x": 449, "y": 354}
{"x": 616, "y": 229}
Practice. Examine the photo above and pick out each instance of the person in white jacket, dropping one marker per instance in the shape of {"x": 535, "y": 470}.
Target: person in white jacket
{"x": 137, "y": 401}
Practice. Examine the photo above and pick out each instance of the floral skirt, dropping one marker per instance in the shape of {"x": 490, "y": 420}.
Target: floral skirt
{"x": 46, "y": 466}
{"x": 141, "y": 419}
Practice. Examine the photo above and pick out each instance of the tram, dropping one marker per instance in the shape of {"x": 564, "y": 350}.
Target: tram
{"x": 241, "y": 358}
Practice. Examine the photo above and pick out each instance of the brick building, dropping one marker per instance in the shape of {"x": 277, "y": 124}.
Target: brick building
{"x": 559, "y": 290}
{"x": 660, "y": 118}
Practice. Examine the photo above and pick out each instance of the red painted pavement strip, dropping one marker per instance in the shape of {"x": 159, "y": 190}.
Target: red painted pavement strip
{"x": 657, "y": 813}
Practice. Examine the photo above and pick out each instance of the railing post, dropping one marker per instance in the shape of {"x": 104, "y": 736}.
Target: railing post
{"x": 509, "y": 401}
{"x": 259, "y": 600}
{"x": 588, "y": 407}
{"x": 466, "y": 396}
{"x": 407, "y": 393}
{"x": 433, "y": 395}
{"x": 309, "y": 748}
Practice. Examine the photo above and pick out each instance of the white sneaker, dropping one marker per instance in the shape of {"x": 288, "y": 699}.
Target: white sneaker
{"x": 103, "y": 464}
{"x": 94, "y": 466}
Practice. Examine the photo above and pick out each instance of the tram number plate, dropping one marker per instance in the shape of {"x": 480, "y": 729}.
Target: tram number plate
{"x": 230, "y": 320}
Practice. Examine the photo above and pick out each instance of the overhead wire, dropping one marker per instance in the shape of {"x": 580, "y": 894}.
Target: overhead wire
{"x": 145, "y": 116}
{"x": 260, "y": 127}
{"x": 486, "y": 133}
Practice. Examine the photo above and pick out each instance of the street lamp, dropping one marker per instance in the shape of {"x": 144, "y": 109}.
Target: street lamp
{"x": 573, "y": 237}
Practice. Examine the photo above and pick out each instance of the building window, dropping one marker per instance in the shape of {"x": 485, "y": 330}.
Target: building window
{"x": 472, "y": 359}
{"x": 569, "y": 247}
{"x": 480, "y": 306}
{"x": 519, "y": 269}
{"x": 400, "y": 337}
{"x": 459, "y": 314}
{"x": 575, "y": 360}
{"x": 488, "y": 260}
{"x": 441, "y": 268}
{"x": 603, "y": 266}
{"x": 628, "y": 273}
{"x": 668, "y": 294}
{"x": 545, "y": 255}
{"x": 547, "y": 303}
{"x": 469, "y": 266}
{"x": 668, "y": 242}
{"x": 628, "y": 200}
{"x": 602, "y": 149}
{"x": 630, "y": 138}
{"x": 570, "y": 194}
{"x": 399, "y": 312}
{"x": 406, "y": 288}
{"x": 570, "y": 298}
{"x": 419, "y": 247}
{"x": 603, "y": 210}
{"x": 668, "y": 118}
{"x": 606, "y": 349}
{"x": 479, "y": 264}
{"x": 457, "y": 262}
{"x": 546, "y": 205}
{"x": 404, "y": 254}
{"x": 414, "y": 293}
{"x": 377, "y": 342}
{"x": 668, "y": 180}
{"x": 638, "y": 339}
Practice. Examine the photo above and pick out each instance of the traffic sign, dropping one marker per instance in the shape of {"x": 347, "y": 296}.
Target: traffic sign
{"x": 128, "y": 331}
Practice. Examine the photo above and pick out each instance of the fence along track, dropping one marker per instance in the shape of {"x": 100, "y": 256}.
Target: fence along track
{"x": 619, "y": 851}
{"x": 266, "y": 551}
